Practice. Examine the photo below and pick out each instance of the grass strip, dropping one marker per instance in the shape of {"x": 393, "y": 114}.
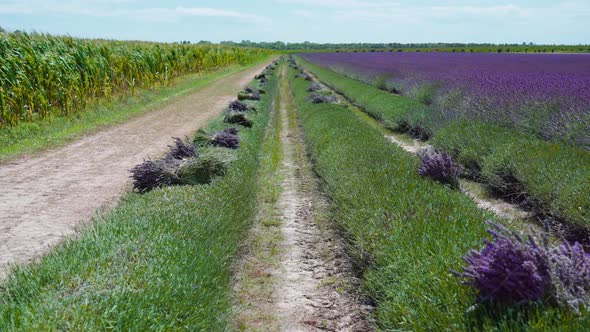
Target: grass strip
{"x": 254, "y": 280}
{"x": 555, "y": 178}
{"x": 158, "y": 261}
{"x": 405, "y": 232}
{"x": 30, "y": 137}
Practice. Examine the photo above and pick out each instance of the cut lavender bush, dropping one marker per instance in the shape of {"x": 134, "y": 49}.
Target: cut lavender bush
{"x": 315, "y": 87}
{"x": 249, "y": 96}
{"x": 226, "y": 139}
{"x": 318, "y": 98}
{"x": 254, "y": 90}
{"x": 181, "y": 149}
{"x": 440, "y": 167}
{"x": 231, "y": 130}
{"x": 153, "y": 174}
{"x": 570, "y": 267}
{"x": 508, "y": 269}
{"x": 237, "y": 106}
{"x": 211, "y": 164}
{"x": 238, "y": 118}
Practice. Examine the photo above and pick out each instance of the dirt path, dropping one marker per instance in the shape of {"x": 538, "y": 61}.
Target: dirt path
{"x": 45, "y": 197}
{"x": 314, "y": 287}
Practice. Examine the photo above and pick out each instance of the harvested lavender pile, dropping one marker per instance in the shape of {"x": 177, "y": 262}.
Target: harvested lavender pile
{"x": 440, "y": 167}
{"x": 512, "y": 270}
{"x": 236, "y": 114}
{"x": 162, "y": 172}
{"x": 152, "y": 174}
{"x": 239, "y": 119}
{"x": 181, "y": 149}
{"x": 315, "y": 87}
{"x": 318, "y": 98}
{"x": 268, "y": 71}
{"x": 250, "y": 94}
{"x": 237, "y": 106}
{"x": 182, "y": 165}
{"x": 228, "y": 138}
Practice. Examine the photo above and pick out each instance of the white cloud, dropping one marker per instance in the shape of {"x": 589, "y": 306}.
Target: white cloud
{"x": 173, "y": 14}
{"x": 304, "y": 13}
{"x": 478, "y": 10}
{"x": 104, "y": 8}
{"x": 343, "y": 3}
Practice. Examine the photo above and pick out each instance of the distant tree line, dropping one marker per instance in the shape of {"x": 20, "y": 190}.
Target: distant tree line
{"x": 402, "y": 47}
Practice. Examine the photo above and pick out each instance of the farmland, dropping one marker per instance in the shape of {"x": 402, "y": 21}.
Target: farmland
{"x": 505, "y": 157}
{"x": 231, "y": 186}
{"x": 546, "y": 96}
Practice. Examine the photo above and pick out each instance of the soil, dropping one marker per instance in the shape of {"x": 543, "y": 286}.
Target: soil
{"x": 315, "y": 285}
{"x": 47, "y": 197}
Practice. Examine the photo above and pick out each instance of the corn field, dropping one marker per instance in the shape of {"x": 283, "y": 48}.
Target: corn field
{"x": 42, "y": 75}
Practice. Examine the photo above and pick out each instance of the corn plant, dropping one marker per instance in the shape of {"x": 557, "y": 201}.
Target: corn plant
{"x": 42, "y": 74}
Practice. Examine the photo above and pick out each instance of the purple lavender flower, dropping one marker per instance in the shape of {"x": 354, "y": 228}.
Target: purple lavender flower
{"x": 226, "y": 139}
{"x": 440, "y": 167}
{"x": 508, "y": 269}
{"x": 318, "y": 98}
{"x": 570, "y": 267}
{"x": 231, "y": 130}
{"x": 548, "y": 95}
{"x": 181, "y": 150}
{"x": 237, "y": 106}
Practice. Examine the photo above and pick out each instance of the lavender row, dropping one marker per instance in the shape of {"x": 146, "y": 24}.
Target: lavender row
{"x": 548, "y": 95}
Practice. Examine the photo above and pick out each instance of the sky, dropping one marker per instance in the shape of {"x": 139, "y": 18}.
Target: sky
{"x": 324, "y": 21}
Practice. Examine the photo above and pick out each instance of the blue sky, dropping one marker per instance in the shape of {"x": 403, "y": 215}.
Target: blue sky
{"x": 539, "y": 21}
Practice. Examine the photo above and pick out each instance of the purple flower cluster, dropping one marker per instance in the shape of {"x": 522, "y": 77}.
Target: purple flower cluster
{"x": 508, "y": 269}
{"x": 237, "y": 106}
{"x": 511, "y": 270}
{"x": 440, "y": 167}
{"x": 571, "y": 268}
{"x": 318, "y": 98}
{"x": 549, "y": 92}
{"x": 228, "y": 138}
{"x": 181, "y": 149}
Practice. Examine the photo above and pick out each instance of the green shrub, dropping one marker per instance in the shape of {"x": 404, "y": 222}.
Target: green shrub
{"x": 555, "y": 177}
{"x": 212, "y": 163}
{"x": 238, "y": 118}
{"x": 202, "y": 138}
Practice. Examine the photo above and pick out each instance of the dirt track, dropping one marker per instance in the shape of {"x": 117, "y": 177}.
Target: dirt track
{"x": 45, "y": 197}
{"x": 315, "y": 284}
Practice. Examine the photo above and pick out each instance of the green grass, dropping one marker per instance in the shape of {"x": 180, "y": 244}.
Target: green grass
{"x": 159, "y": 261}
{"x": 405, "y": 232}
{"x": 556, "y": 177}
{"x": 375, "y": 102}
{"x": 254, "y": 283}
{"x": 30, "y": 137}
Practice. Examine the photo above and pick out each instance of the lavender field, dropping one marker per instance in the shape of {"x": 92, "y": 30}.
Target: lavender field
{"x": 544, "y": 94}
